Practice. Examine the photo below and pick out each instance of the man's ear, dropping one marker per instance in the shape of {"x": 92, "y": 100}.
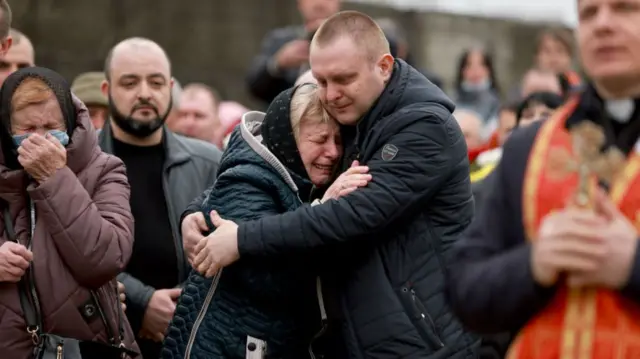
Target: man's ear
{"x": 385, "y": 66}
{"x": 5, "y": 45}
{"x": 104, "y": 87}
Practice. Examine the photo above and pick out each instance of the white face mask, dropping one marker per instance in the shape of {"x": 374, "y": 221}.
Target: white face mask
{"x": 620, "y": 110}
{"x": 476, "y": 87}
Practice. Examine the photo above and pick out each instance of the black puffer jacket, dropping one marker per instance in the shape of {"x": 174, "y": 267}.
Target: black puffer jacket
{"x": 389, "y": 242}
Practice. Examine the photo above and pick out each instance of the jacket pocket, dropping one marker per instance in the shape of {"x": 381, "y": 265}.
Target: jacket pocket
{"x": 420, "y": 318}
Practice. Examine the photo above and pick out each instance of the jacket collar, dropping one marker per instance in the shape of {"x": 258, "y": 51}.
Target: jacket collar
{"x": 175, "y": 151}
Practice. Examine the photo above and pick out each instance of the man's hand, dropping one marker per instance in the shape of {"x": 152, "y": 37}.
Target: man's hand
{"x": 293, "y": 54}
{"x": 42, "y": 156}
{"x": 355, "y": 177}
{"x": 192, "y": 227}
{"x": 569, "y": 241}
{"x": 159, "y": 313}
{"x": 14, "y": 261}
{"x": 219, "y": 249}
{"x": 621, "y": 242}
{"x": 122, "y": 296}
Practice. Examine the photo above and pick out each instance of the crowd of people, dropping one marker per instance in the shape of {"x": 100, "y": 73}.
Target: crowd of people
{"x": 367, "y": 213}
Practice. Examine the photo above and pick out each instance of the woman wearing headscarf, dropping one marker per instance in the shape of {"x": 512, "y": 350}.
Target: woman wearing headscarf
{"x": 66, "y": 228}
{"x": 270, "y": 308}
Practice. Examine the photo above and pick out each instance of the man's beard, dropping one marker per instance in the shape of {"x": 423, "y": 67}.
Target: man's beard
{"x": 137, "y": 128}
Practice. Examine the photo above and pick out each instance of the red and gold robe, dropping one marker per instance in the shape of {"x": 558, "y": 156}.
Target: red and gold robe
{"x": 587, "y": 323}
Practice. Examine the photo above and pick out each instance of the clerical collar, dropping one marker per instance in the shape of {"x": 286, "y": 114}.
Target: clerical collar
{"x": 620, "y": 119}
{"x": 621, "y": 110}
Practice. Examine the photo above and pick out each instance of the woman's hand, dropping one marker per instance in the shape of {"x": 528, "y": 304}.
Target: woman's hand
{"x": 355, "y": 177}
{"x": 14, "y": 261}
{"x": 122, "y": 296}
{"x": 42, "y": 156}
{"x": 192, "y": 227}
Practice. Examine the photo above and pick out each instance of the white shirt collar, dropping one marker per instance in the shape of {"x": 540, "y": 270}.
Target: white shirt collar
{"x": 620, "y": 110}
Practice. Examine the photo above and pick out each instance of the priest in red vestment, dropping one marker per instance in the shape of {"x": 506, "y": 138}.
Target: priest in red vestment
{"x": 552, "y": 257}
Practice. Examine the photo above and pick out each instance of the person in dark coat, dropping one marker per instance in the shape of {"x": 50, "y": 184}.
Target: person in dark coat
{"x": 388, "y": 243}
{"x": 268, "y": 302}
{"x": 284, "y": 52}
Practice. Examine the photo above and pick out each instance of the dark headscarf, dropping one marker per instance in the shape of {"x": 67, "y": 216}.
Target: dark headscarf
{"x": 56, "y": 83}
{"x": 277, "y": 132}
{"x": 548, "y": 99}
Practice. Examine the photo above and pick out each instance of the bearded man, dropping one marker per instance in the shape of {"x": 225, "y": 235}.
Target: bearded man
{"x": 165, "y": 171}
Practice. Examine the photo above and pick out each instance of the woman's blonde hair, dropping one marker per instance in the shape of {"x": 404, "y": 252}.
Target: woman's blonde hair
{"x": 31, "y": 91}
{"x": 306, "y": 107}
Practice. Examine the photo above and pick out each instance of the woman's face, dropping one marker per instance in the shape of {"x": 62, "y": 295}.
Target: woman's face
{"x": 40, "y": 117}
{"x": 475, "y": 71}
{"x": 320, "y": 148}
{"x": 553, "y": 56}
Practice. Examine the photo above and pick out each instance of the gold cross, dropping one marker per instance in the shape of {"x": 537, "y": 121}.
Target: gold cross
{"x": 587, "y": 140}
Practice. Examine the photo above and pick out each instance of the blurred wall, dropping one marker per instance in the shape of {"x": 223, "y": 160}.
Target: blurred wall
{"x": 213, "y": 41}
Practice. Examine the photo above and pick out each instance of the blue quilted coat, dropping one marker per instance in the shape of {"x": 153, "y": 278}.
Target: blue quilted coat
{"x": 264, "y": 299}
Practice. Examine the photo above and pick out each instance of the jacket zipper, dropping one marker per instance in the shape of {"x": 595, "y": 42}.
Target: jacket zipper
{"x": 59, "y": 350}
{"x": 323, "y": 317}
{"x": 426, "y": 317}
{"x": 323, "y": 311}
{"x": 202, "y": 313}
{"x": 311, "y": 192}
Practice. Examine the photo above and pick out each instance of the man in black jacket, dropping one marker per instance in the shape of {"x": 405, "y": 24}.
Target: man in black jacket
{"x": 387, "y": 244}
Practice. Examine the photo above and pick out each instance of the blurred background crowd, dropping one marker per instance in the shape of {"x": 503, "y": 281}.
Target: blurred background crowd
{"x": 229, "y": 57}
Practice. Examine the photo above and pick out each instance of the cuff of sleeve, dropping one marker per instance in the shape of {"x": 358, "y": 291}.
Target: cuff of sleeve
{"x": 51, "y": 185}
{"x": 249, "y": 241}
{"x": 184, "y": 214}
{"x": 541, "y": 294}
{"x": 632, "y": 289}
{"x": 146, "y": 297}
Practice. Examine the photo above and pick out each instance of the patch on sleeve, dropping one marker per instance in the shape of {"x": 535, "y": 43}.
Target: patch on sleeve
{"x": 389, "y": 152}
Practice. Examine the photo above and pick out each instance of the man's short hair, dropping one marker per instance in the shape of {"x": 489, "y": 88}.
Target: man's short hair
{"x": 193, "y": 87}
{"x": 140, "y": 40}
{"x": 362, "y": 29}
{"x": 5, "y": 19}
